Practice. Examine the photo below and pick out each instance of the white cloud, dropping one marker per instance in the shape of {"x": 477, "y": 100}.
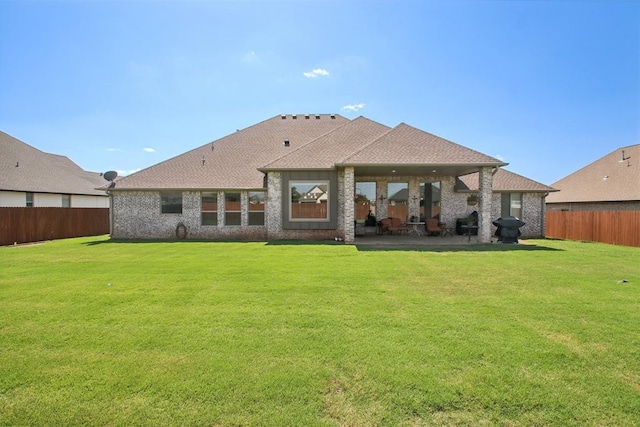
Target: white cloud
{"x": 149, "y": 150}
{"x": 353, "y": 107}
{"x": 114, "y": 150}
{"x": 250, "y": 58}
{"x": 500, "y": 157}
{"x": 315, "y": 73}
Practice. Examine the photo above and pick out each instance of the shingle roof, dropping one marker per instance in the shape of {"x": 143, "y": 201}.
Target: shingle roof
{"x": 333, "y": 147}
{"x": 503, "y": 180}
{"x": 238, "y": 160}
{"x": 406, "y": 145}
{"x": 25, "y": 168}
{"x": 608, "y": 179}
{"x": 233, "y": 161}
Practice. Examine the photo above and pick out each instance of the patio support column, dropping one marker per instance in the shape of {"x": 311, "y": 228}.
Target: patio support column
{"x": 414, "y": 198}
{"x": 381, "y": 199}
{"x": 349, "y": 204}
{"x": 484, "y": 213}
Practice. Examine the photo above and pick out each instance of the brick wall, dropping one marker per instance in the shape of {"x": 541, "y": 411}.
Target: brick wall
{"x": 136, "y": 215}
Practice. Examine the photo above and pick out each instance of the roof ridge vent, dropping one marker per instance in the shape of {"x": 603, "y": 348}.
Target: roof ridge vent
{"x": 306, "y": 116}
{"x": 286, "y": 143}
{"x": 284, "y": 116}
{"x": 333, "y": 116}
{"x": 317, "y": 116}
{"x": 294, "y": 116}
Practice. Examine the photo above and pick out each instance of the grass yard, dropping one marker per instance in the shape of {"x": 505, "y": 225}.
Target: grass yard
{"x": 96, "y": 332}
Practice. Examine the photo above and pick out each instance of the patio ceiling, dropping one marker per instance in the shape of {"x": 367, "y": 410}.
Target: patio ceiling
{"x": 415, "y": 170}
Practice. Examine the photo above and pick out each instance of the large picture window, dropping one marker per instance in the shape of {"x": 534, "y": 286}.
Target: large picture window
{"x": 309, "y": 200}
{"x": 171, "y": 202}
{"x": 429, "y": 200}
{"x": 398, "y": 193}
{"x": 365, "y": 200}
{"x": 256, "y": 208}
{"x": 233, "y": 210}
{"x": 210, "y": 208}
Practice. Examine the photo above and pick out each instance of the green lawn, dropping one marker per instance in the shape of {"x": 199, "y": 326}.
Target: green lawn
{"x": 96, "y": 332}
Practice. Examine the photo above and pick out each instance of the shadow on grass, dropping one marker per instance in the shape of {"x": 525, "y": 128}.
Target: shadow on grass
{"x": 168, "y": 241}
{"x": 466, "y": 248}
{"x": 408, "y": 247}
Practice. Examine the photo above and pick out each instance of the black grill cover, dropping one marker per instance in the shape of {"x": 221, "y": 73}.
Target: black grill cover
{"x": 508, "y": 229}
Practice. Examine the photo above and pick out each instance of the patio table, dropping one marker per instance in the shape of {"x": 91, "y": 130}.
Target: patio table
{"x": 415, "y": 227}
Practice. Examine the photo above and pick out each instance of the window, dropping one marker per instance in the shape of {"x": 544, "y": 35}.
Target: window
{"x": 429, "y": 199}
{"x": 66, "y": 200}
{"x": 398, "y": 196}
{"x": 511, "y": 204}
{"x": 209, "y": 209}
{"x": 29, "y": 200}
{"x": 309, "y": 200}
{"x": 233, "y": 213}
{"x": 365, "y": 200}
{"x": 256, "y": 208}
{"x": 171, "y": 202}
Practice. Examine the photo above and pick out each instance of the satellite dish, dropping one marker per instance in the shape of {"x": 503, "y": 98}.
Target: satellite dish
{"x": 110, "y": 175}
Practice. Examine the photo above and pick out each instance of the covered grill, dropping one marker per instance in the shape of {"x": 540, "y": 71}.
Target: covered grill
{"x": 508, "y": 229}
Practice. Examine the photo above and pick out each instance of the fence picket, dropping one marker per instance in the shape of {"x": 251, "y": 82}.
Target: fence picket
{"x": 614, "y": 227}
{"x": 24, "y": 225}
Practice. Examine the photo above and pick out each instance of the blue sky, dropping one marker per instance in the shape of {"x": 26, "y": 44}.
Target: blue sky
{"x": 548, "y": 86}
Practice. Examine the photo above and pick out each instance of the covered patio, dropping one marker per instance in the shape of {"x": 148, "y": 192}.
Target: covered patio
{"x": 415, "y": 193}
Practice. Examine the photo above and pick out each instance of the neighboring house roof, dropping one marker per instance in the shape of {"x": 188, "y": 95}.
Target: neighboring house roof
{"x": 614, "y": 177}
{"x": 503, "y": 181}
{"x": 25, "y": 168}
{"x": 233, "y": 161}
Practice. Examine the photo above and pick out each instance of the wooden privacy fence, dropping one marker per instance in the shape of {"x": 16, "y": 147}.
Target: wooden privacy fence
{"x": 614, "y": 227}
{"x": 23, "y": 225}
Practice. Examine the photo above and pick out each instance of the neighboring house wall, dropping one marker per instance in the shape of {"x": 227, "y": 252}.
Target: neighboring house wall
{"x": 46, "y": 200}
{"x": 80, "y": 201}
{"x": 17, "y": 199}
{"x": 13, "y": 199}
{"x": 595, "y": 206}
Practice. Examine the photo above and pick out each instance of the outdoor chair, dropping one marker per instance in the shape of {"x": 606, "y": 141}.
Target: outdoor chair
{"x": 389, "y": 225}
{"x": 432, "y": 227}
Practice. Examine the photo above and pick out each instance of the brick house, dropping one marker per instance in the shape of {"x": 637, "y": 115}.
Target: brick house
{"x": 611, "y": 183}
{"x": 314, "y": 177}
